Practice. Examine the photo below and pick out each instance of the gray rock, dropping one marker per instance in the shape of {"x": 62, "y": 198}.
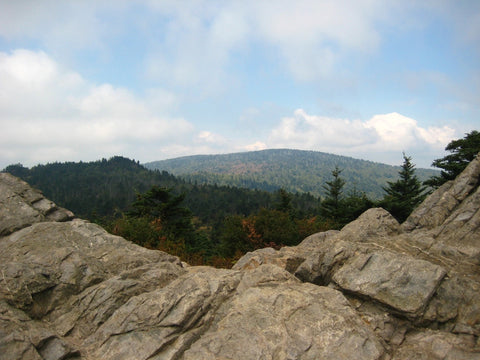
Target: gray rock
{"x": 255, "y": 258}
{"x": 373, "y": 223}
{"x": 84, "y": 313}
{"x": 426, "y": 345}
{"x": 374, "y": 290}
{"x": 161, "y": 324}
{"x": 437, "y": 207}
{"x": 24, "y": 338}
{"x": 322, "y": 262}
{"x": 455, "y": 306}
{"x": 21, "y": 206}
{"x": 46, "y": 263}
{"x": 458, "y": 235}
{"x": 403, "y": 283}
{"x": 287, "y": 320}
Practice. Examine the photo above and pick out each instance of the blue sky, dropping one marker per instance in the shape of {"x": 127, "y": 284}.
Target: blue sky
{"x": 151, "y": 80}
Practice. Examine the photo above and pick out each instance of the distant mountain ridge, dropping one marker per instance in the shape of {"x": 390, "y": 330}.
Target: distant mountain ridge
{"x": 293, "y": 170}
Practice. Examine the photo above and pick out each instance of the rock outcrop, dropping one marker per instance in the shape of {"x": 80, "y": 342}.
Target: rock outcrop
{"x": 376, "y": 289}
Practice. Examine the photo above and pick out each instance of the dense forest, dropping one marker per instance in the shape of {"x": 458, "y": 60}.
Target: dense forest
{"x": 106, "y": 191}
{"x": 292, "y": 170}
{"x": 106, "y": 188}
{"x": 216, "y": 224}
{"x": 205, "y": 223}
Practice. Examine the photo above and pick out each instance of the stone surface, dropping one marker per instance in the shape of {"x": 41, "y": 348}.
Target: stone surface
{"x": 164, "y": 322}
{"x": 24, "y": 338}
{"x": 292, "y": 321}
{"x": 403, "y": 283}
{"x": 426, "y": 345}
{"x": 438, "y": 207}
{"x": 21, "y": 206}
{"x": 373, "y": 223}
{"x": 46, "y": 263}
{"x": 374, "y": 290}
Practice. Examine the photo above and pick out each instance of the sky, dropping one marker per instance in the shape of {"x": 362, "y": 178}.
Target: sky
{"x": 152, "y": 79}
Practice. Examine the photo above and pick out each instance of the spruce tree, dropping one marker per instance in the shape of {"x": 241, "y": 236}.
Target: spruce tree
{"x": 331, "y": 206}
{"x": 462, "y": 152}
{"x": 403, "y": 195}
{"x": 165, "y": 209}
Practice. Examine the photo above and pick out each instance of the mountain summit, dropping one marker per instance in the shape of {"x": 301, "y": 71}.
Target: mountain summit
{"x": 375, "y": 290}
{"x": 293, "y": 170}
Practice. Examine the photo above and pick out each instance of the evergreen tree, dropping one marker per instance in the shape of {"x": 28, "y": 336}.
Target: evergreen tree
{"x": 160, "y": 206}
{"x": 404, "y": 194}
{"x": 331, "y": 205}
{"x": 462, "y": 152}
{"x": 284, "y": 201}
{"x": 354, "y": 205}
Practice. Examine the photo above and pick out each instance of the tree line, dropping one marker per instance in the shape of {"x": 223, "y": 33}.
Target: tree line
{"x": 293, "y": 170}
{"x": 210, "y": 224}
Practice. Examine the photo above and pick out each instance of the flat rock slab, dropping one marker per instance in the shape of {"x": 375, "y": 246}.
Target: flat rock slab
{"x": 160, "y": 324}
{"x": 437, "y": 345}
{"x": 292, "y": 321}
{"x": 45, "y": 264}
{"x": 403, "y": 283}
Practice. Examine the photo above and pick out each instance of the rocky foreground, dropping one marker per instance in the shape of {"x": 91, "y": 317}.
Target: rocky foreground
{"x": 375, "y": 290}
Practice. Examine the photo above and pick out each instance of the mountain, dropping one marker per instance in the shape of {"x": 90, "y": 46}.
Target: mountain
{"x": 94, "y": 188}
{"x": 107, "y": 187}
{"x": 374, "y": 290}
{"x": 293, "y": 170}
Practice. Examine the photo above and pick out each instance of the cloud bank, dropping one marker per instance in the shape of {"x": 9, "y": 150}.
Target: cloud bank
{"x": 199, "y": 40}
{"x": 47, "y": 112}
{"x": 155, "y": 62}
{"x": 378, "y": 138}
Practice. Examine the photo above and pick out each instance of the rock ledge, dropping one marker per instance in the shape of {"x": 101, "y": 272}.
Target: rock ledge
{"x": 374, "y": 290}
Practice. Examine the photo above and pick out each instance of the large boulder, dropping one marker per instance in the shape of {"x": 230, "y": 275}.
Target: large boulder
{"x": 21, "y": 206}
{"x": 374, "y": 290}
{"x": 268, "y": 319}
{"x": 61, "y": 278}
{"x": 418, "y": 276}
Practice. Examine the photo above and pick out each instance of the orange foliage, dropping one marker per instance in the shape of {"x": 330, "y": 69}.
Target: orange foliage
{"x": 253, "y": 236}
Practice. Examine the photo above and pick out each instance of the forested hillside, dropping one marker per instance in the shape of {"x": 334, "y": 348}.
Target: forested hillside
{"x": 105, "y": 187}
{"x": 91, "y": 189}
{"x": 200, "y": 223}
{"x": 205, "y": 223}
{"x": 292, "y": 170}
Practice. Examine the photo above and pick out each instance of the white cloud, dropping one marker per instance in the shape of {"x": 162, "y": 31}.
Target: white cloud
{"x": 48, "y": 113}
{"x": 197, "y": 44}
{"x": 258, "y": 145}
{"x": 313, "y": 36}
{"x": 398, "y": 132}
{"x": 199, "y": 48}
{"x": 307, "y": 131}
{"x": 62, "y": 27}
{"x": 376, "y": 139}
{"x": 211, "y": 138}
{"x": 202, "y": 38}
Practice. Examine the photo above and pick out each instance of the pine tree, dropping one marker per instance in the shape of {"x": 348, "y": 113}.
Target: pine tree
{"x": 159, "y": 205}
{"x": 354, "y": 205}
{"x": 284, "y": 202}
{"x": 404, "y": 194}
{"x": 462, "y": 152}
{"x": 331, "y": 206}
